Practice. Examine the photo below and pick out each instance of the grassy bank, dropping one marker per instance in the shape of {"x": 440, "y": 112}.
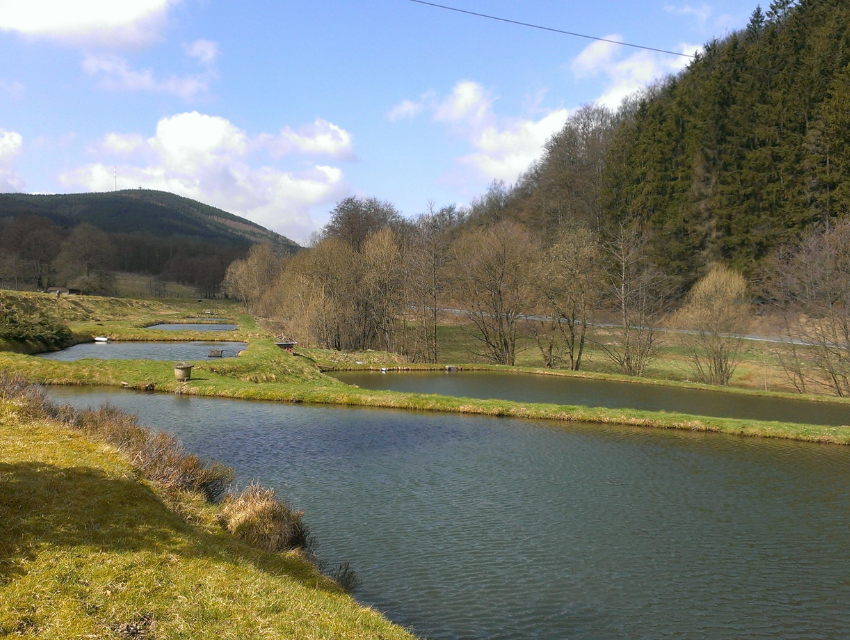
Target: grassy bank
{"x": 92, "y": 550}
{"x": 330, "y": 365}
{"x": 125, "y": 319}
{"x": 759, "y": 368}
{"x": 265, "y": 372}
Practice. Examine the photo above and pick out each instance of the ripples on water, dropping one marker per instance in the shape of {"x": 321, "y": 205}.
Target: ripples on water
{"x": 470, "y": 527}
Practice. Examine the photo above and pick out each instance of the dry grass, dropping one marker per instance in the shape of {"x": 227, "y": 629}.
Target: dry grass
{"x": 158, "y": 456}
{"x": 261, "y": 519}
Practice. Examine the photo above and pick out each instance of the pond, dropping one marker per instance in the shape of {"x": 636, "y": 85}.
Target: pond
{"x": 603, "y": 393}
{"x": 201, "y": 326}
{"x": 145, "y": 350}
{"x": 474, "y": 527}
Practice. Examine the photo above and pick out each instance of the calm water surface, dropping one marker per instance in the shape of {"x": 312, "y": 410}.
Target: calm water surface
{"x": 603, "y": 393}
{"x": 209, "y": 326}
{"x": 145, "y": 350}
{"x": 472, "y": 527}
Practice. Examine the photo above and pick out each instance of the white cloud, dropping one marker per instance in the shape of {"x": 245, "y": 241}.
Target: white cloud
{"x": 188, "y": 141}
{"x": 99, "y": 22}
{"x": 469, "y": 102}
{"x": 701, "y": 12}
{"x": 116, "y": 74}
{"x": 122, "y": 144}
{"x": 11, "y": 143}
{"x": 501, "y": 148}
{"x": 596, "y": 56}
{"x": 204, "y": 51}
{"x": 322, "y": 138}
{"x": 208, "y": 158}
{"x": 405, "y": 110}
{"x": 626, "y": 72}
{"x": 503, "y": 154}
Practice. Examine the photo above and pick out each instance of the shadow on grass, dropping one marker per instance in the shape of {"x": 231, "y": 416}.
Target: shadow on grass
{"x": 43, "y": 506}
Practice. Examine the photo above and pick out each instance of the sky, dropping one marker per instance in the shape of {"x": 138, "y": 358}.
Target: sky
{"x": 276, "y": 110}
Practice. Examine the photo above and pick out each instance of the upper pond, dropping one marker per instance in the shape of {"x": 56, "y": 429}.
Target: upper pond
{"x": 473, "y": 527}
{"x": 603, "y": 393}
{"x": 201, "y": 326}
{"x": 145, "y": 350}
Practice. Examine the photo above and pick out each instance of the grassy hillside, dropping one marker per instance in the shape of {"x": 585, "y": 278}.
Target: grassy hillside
{"x": 142, "y": 211}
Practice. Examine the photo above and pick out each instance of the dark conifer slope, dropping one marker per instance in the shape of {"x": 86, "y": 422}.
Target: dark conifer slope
{"x": 747, "y": 149}
{"x": 142, "y": 212}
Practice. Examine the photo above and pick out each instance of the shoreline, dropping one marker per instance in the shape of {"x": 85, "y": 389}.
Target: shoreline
{"x": 319, "y": 389}
{"x": 586, "y": 375}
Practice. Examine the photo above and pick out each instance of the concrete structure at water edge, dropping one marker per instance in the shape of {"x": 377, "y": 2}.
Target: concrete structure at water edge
{"x": 286, "y": 344}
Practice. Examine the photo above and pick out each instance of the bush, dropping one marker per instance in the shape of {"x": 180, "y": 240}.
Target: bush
{"x": 713, "y": 320}
{"x": 18, "y": 324}
{"x": 259, "y": 518}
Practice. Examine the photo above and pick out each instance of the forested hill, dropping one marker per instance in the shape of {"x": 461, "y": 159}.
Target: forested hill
{"x": 144, "y": 212}
{"x": 82, "y": 240}
{"x": 748, "y": 148}
{"x": 745, "y": 150}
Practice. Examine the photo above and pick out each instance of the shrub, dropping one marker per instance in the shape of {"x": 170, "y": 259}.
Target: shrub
{"x": 259, "y": 518}
{"x": 18, "y": 324}
{"x": 713, "y": 320}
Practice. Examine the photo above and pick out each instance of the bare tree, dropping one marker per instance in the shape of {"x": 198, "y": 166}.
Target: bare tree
{"x": 811, "y": 284}
{"x": 565, "y": 186}
{"x": 12, "y": 269}
{"x": 567, "y": 281}
{"x": 235, "y": 283}
{"x": 712, "y": 322}
{"x": 635, "y": 290}
{"x": 383, "y": 285}
{"x": 427, "y": 260}
{"x": 247, "y": 280}
{"x": 85, "y": 259}
{"x": 355, "y": 219}
{"x": 493, "y": 273}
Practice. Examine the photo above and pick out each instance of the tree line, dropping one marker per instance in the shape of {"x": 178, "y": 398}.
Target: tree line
{"x": 36, "y": 252}
{"x": 375, "y": 280}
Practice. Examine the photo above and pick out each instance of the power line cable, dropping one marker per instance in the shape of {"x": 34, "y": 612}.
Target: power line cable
{"x": 552, "y": 29}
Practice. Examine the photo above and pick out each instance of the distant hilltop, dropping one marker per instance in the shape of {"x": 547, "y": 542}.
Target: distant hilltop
{"x": 142, "y": 211}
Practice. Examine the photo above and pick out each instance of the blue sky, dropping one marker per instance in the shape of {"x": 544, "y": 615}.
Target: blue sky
{"x": 276, "y": 110}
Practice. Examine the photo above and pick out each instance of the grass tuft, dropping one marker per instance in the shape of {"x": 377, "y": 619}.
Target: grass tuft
{"x": 261, "y": 519}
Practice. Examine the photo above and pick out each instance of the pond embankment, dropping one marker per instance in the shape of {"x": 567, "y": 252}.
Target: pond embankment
{"x": 468, "y": 527}
{"x": 113, "y": 554}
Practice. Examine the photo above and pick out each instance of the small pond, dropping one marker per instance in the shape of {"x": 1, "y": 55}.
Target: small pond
{"x": 145, "y": 350}
{"x": 200, "y": 326}
{"x": 474, "y": 527}
{"x": 603, "y": 393}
